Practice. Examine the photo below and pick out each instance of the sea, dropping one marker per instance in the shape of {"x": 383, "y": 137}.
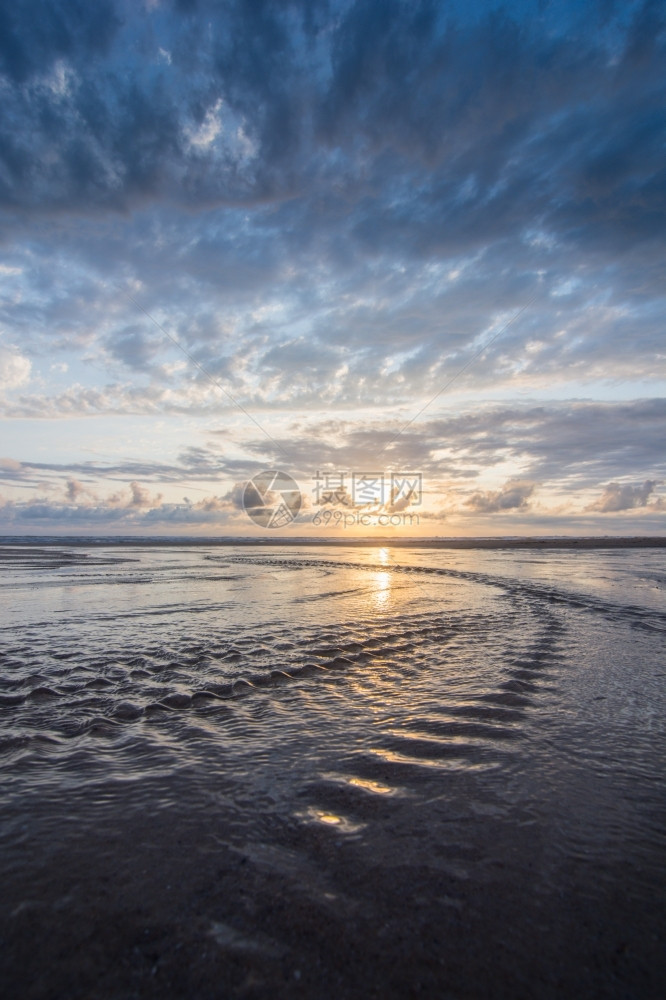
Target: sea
{"x": 329, "y": 771}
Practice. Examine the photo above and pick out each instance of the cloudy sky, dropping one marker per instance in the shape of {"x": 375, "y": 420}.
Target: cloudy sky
{"x": 356, "y": 237}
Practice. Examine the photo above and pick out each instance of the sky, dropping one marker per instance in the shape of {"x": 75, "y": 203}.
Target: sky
{"x": 410, "y": 254}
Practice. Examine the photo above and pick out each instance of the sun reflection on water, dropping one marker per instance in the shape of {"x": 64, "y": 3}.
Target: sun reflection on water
{"x": 382, "y": 589}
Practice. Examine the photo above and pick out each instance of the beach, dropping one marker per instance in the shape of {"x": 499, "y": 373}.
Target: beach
{"x": 350, "y": 770}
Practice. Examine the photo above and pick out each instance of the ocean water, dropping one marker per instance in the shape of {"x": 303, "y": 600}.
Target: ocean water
{"x": 248, "y": 771}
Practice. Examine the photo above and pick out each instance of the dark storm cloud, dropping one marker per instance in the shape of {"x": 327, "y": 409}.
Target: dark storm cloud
{"x": 393, "y": 121}
{"x": 333, "y": 201}
{"x": 34, "y": 33}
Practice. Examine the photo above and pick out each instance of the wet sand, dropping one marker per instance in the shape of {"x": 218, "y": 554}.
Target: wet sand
{"x": 245, "y": 774}
{"x": 155, "y": 909}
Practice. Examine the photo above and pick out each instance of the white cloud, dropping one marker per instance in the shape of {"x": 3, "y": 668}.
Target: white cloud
{"x": 624, "y": 496}
{"x": 514, "y": 495}
{"x": 204, "y": 135}
{"x": 14, "y": 368}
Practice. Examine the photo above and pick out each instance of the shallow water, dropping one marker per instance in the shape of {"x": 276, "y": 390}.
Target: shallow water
{"x": 318, "y": 772}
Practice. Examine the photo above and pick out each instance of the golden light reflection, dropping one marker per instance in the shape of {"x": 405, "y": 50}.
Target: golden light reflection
{"x": 327, "y": 817}
{"x": 341, "y": 823}
{"x": 382, "y": 588}
{"x": 372, "y": 786}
